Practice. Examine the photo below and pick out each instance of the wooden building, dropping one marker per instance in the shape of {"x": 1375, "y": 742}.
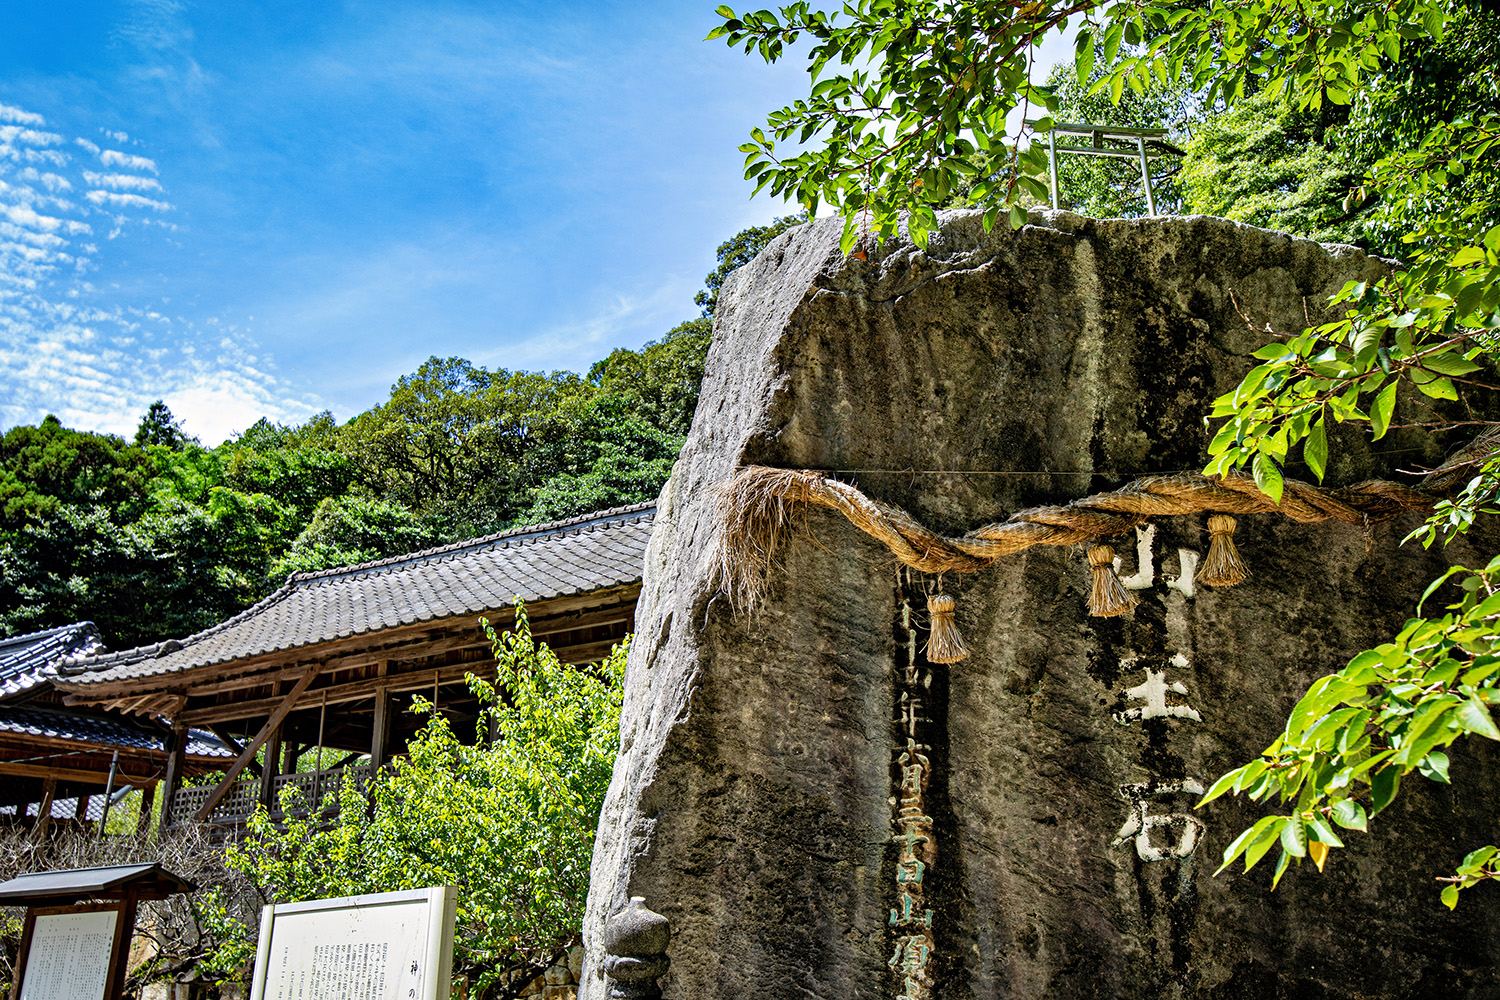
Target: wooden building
{"x": 62, "y": 762}
{"x": 327, "y": 665}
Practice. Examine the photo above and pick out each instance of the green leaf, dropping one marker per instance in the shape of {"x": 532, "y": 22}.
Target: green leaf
{"x": 1264, "y": 841}
{"x": 1267, "y": 477}
{"x": 1315, "y": 449}
{"x": 1435, "y": 766}
{"x": 1450, "y": 896}
{"x": 1084, "y": 61}
{"x": 1271, "y": 352}
{"x": 1294, "y": 837}
{"x": 1017, "y": 216}
{"x": 1450, "y": 363}
{"x": 1218, "y": 788}
{"x": 1435, "y": 584}
{"x": 1318, "y": 827}
{"x": 1349, "y": 814}
{"x": 1476, "y": 718}
{"x": 1380, "y": 410}
{"x": 1265, "y": 829}
{"x": 1384, "y": 785}
{"x": 1112, "y": 38}
{"x": 1438, "y": 388}
{"x": 1281, "y": 866}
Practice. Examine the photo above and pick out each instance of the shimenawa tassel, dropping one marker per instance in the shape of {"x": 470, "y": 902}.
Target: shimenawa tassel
{"x": 1108, "y": 596}
{"x": 944, "y": 644}
{"x": 1223, "y": 566}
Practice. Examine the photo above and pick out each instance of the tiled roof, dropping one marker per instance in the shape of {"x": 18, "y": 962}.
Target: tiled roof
{"x": 103, "y": 731}
{"x": 589, "y": 553}
{"x": 25, "y": 660}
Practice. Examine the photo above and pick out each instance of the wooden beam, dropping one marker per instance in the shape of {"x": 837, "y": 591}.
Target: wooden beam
{"x": 234, "y": 745}
{"x": 550, "y": 615}
{"x": 415, "y": 680}
{"x": 69, "y": 774}
{"x": 383, "y": 665}
{"x": 270, "y": 768}
{"x": 356, "y": 691}
{"x": 271, "y": 725}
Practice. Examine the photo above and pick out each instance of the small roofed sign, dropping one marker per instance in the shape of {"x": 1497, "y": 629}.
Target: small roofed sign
{"x": 385, "y": 946}
{"x": 75, "y": 934}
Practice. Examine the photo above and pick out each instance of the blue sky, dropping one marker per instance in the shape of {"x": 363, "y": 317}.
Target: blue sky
{"x": 275, "y": 208}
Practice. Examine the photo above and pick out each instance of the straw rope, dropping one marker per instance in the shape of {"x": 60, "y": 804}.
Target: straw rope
{"x": 755, "y": 510}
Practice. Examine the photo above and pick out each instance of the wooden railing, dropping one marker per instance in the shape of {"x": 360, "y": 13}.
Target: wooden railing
{"x": 240, "y": 801}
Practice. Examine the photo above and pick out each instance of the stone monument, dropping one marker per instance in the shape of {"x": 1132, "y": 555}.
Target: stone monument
{"x": 823, "y": 810}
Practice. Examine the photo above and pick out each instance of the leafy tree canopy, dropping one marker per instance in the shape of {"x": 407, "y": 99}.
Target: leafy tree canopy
{"x": 160, "y": 429}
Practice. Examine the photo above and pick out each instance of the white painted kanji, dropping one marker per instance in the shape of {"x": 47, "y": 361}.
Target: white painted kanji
{"x": 1145, "y": 562}
{"x": 1144, "y": 577}
{"x": 1154, "y": 693}
{"x": 1187, "y": 564}
{"x": 1140, "y": 823}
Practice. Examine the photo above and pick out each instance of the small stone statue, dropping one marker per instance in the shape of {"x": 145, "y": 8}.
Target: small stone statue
{"x": 635, "y": 946}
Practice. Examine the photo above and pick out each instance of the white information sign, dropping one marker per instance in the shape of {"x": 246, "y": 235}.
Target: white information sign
{"x": 387, "y": 946}
{"x": 69, "y": 956}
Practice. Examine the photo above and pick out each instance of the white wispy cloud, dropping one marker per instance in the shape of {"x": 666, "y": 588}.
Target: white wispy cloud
{"x": 575, "y": 345}
{"x": 10, "y": 114}
{"x": 50, "y": 181}
{"x": 76, "y": 349}
{"x": 115, "y": 158}
{"x": 10, "y": 134}
{"x": 117, "y": 200}
{"x": 121, "y": 182}
{"x": 29, "y": 218}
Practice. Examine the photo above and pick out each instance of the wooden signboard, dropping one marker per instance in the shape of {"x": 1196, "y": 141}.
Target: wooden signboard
{"x": 74, "y": 952}
{"x": 386, "y": 946}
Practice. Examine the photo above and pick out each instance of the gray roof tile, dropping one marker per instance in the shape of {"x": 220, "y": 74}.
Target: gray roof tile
{"x": 27, "y": 660}
{"x": 589, "y": 553}
{"x": 106, "y": 731}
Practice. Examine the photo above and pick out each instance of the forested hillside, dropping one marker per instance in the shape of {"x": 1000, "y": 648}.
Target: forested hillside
{"x": 161, "y": 536}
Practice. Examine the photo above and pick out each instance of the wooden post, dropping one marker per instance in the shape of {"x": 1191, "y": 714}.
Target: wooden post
{"x": 109, "y": 793}
{"x": 81, "y": 807}
{"x": 176, "y": 758}
{"x": 381, "y": 729}
{"x": 148, "y": 799}
{"x": 124, "y": 931}
{"x": 270, "y": 767}
{"x": 28, "y": 929}
{"x": 44, "y": 809}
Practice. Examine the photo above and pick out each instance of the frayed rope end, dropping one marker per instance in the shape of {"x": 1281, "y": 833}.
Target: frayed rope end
{"x": 1108, "y": 596}
{"x": 1222, "y": 567}
{"x": 754, "y": 519}
{"x": 944, "y": 644}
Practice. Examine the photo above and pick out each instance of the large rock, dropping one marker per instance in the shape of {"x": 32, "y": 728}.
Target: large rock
{"x": 754, "y": 799}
